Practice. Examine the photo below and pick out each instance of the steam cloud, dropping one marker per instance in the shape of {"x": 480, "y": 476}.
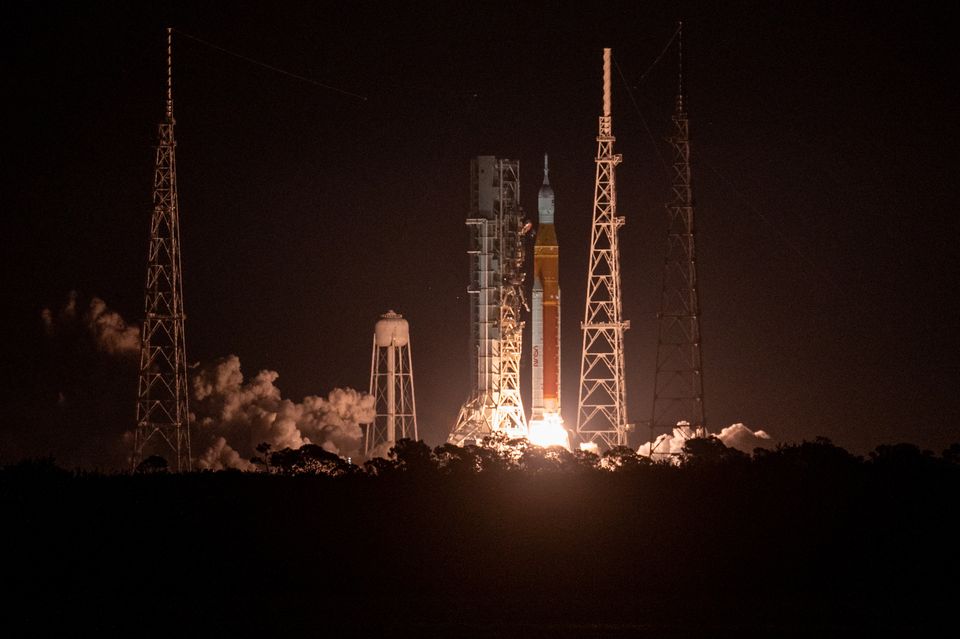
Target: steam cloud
{"x": 230, "y": 416}
{"x": 743, "y": 439}
{"x": 108, "y": 329}
{"x": 234, "y": 416}
{"x": 82, "y": 386}
{"x": 736, "y": 436}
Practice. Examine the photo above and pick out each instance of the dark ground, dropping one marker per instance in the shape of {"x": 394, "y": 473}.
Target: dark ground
{"x": 806, "y": 542}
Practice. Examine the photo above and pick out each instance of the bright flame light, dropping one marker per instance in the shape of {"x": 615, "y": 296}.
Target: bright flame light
{"x": 549, "y": 431}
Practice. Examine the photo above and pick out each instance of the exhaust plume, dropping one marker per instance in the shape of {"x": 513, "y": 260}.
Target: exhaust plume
{"x": 736, "y": 436}
{"x": 232, "y": 416}
{"x": 84, "y": 381}
{"x": 743, "y": 439}
{"x": 89, "y": 382}
{"x": 109, "y": 330}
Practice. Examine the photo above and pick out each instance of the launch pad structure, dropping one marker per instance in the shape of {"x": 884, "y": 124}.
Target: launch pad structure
{"x": 602, "y": 403}
{"x": 498, "y": 234}
{"x": 678, "y": 382}
{"x": 162, "y": 411}
{"x": 495, "y": 292}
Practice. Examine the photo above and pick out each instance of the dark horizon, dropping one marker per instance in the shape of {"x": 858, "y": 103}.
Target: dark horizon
{"x": 805, "y": 540}
{"x": 826, "y": 239}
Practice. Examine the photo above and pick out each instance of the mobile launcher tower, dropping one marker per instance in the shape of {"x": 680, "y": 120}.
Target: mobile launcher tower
{"x": 497, "y": 237}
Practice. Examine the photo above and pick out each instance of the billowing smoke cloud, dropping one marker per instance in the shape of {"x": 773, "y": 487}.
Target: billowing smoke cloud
{"x": 112, "y": 333}
{"x": 64, "y": 320}
{"x": 736, "y": 436}
{"x": 381, "y": 450}
{"x": 743, "y": 439}
{"x": 233, "y": 416}
{"x": 109, "y": 331}
{"x": 88, "y": 384}
{"x": 668, "y": 444}
{"x": 82, "y": 381}
{"x": 221, "y": 455}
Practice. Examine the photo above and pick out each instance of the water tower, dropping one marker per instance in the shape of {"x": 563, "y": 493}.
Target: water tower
{"x": 391, "y": 384}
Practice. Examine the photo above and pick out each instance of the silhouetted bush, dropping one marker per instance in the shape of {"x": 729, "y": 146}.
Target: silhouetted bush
{"x": 152, "y": 465}
{"x": 310, "y": 459}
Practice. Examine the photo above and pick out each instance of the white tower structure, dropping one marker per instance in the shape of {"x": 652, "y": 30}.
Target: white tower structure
{"x": 497, "y": 234}
{"x": 391, "y": 384}
{"x": 602, "y": 407}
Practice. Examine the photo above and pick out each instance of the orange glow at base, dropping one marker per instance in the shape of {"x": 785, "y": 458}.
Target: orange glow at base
{"x": 549, "y": 431}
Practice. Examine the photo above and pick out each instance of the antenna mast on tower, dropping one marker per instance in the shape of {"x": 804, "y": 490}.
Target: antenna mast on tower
{"x": 162, "y": 412}
{"x": 678, "y": 385}
{"x": 602, "y": 406}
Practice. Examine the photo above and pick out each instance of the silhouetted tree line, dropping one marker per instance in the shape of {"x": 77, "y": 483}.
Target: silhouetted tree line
{"x": 497, "y": 454}
{"x": 504, "y": 539}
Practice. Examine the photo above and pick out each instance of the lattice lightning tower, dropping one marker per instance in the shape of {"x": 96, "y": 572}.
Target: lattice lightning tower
{"x": 602, "y": 406}
{"x": 162, "y": 412}
{"x": 678, "y": 386}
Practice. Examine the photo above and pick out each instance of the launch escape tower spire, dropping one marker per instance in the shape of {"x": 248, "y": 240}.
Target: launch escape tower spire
{"x": 602, "y": 406}
{"x": 678, "y": 385}
{"x": 496, "y": 252}
{"x": 162, "y": 413}
{"x": 391, "y": 385}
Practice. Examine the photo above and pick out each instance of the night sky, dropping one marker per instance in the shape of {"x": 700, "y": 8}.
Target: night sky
{"x": 824, "y": 159}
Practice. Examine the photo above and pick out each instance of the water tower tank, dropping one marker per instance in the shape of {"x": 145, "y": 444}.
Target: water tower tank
{"x": 392, "y": 329}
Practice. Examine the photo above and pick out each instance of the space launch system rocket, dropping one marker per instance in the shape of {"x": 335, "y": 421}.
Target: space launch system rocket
{"x": 546, "y": 308}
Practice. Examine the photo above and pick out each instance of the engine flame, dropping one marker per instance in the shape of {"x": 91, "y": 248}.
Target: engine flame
{"x": 549, "y": 431}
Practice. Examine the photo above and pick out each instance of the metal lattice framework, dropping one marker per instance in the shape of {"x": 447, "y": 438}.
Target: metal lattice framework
{"x": 162, "y": 411}
{"x": 391, "y": 385}
{"x": 678, "y": 386}
{"x": 602, "y": 405}
{"x": 497, "y": 254}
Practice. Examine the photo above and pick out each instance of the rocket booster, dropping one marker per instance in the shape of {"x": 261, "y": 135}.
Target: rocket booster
{"x": 546, "y": 307}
